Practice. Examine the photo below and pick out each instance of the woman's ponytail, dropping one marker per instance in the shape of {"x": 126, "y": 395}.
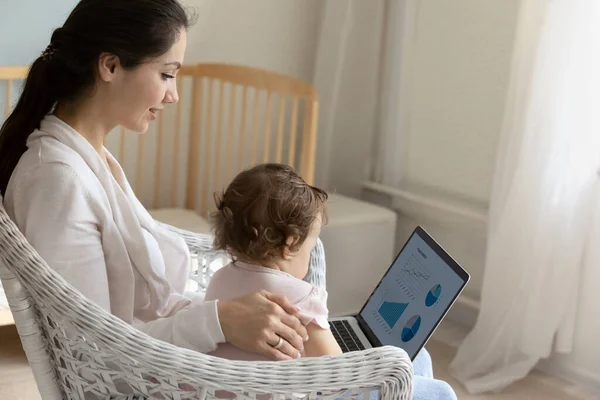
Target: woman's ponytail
{"x": 35, "y": 102}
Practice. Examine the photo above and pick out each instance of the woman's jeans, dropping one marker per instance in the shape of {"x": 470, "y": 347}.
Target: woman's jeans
{"x": 425, "y": 386}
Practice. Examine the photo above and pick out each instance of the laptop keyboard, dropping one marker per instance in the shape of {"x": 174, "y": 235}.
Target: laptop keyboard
{"x": 344, "y": 335}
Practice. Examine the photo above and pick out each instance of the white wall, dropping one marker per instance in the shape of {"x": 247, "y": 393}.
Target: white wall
{"x": 271, "y": 34}
{"x": 458, "y": 84}
{"x": 26, "y": 27}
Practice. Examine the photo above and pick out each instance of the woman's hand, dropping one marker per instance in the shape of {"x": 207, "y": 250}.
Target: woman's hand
{"x": 255, "y": 323}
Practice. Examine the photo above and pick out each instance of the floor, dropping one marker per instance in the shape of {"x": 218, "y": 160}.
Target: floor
{"x": 537, "y": 385}
{"x": 16, "y": 379}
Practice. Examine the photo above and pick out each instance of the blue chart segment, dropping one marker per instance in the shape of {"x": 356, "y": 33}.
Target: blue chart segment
{"x": 391, "y": 312}
{"x": 433, "y": 295}
{"x": 411, "y": 328}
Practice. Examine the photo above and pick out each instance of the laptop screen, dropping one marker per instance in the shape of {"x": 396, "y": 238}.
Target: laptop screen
{"x": 414, "y": 295}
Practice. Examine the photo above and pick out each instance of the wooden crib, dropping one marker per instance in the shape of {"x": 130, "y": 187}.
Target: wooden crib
{"x": 228, "y": 118}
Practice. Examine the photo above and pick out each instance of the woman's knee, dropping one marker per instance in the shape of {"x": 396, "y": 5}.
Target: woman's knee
{"x": 432, "y": 389}
{"x": 445, "y": 390}
{"x": 422, "y": 364}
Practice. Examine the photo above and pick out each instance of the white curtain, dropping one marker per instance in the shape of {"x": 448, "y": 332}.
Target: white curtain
{"x": 348, "y": 67}
{"x": 545, "y": 187}
{"x": 391, "y": 130}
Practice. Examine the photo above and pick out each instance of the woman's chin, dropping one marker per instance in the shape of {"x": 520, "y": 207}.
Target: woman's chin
{"x": 138, "y": 127}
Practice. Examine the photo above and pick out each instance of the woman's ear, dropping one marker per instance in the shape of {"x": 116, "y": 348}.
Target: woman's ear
{"x": 107, "y": 65}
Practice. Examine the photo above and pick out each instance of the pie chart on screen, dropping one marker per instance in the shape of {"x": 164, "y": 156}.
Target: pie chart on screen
{"x": 433, "y": 295}
{"x": 411, "y": 328}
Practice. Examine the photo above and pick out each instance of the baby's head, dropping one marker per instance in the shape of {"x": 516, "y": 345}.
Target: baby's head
{"x": 270, "y": 216}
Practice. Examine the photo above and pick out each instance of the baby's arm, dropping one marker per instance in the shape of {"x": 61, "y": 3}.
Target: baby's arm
{"x": 320, "y": 342}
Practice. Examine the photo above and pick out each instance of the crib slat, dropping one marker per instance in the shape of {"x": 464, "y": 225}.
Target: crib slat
{"x": 267, "y": 142}
{"x": 207, "y": 146}
{"x": 175, "y": 170}
{"x": 242, "y": 140}
{"x": 255, "y": 127}
{"x": 218, "y": 150}
{"x": 281, "y": 119}
{"x": 230, "y": 137}
{"x": 293, "y": 130}
{"x": 194, "y": 144}
{"x": 309, "y": 139}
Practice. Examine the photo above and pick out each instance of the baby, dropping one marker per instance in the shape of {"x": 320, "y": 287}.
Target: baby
{"x": 269, "y": 220}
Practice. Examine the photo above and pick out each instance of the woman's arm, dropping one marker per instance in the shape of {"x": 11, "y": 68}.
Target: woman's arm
{"x": 57, "y": 215}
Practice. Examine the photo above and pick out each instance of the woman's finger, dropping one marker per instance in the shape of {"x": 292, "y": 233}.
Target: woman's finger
{"x": 290, "y": 338}
{"x": 295, "y": 324}
{"x": 283, "y": 302}
{"x": 285, "y": 349}
{"x": 275, "y": 354}
{"x": 288, "y": 350}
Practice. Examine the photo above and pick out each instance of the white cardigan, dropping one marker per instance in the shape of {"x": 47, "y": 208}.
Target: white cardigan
{"x": 88, "y": 226}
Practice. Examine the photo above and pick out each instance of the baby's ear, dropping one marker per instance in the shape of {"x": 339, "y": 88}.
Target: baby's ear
{"x": 287, "y": 253}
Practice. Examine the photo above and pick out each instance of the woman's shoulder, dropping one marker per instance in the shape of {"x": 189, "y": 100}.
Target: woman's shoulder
{"x": 49, "y": 161}
{"x": 48, "y": 166}
{"x": 51, "y": 153}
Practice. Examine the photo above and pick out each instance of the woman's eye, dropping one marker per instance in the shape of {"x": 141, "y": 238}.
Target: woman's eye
{"x": 167, "y": 76}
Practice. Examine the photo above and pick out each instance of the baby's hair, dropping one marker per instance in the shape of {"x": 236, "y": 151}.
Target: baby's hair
{"x": 261, "y": 208}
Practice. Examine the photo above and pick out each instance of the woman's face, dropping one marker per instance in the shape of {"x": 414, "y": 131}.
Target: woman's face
{"x": 138, "y": 95}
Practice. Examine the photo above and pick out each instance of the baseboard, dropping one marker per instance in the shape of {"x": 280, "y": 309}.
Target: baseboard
{"x": 465, "y": 311}
{"x": 570, "y": 373}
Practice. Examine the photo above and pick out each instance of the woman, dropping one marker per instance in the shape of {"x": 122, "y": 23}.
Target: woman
{"x": 113, "y": 63}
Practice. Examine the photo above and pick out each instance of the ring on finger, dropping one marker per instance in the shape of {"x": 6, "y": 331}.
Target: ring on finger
{"x": 279, "y": 343}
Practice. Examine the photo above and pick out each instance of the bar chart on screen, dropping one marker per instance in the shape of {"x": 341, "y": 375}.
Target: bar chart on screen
{"x": 391, "y": 307}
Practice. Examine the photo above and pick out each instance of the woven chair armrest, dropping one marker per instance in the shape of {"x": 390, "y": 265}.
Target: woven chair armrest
{"x": 202, "y": 244}
{"x": 388, "y": 367}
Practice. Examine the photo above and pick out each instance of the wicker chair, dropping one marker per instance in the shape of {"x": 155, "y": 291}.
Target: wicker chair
{"x": 79, "y": 351}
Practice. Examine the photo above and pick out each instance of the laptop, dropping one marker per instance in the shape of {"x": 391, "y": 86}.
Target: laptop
{"x": 408, "y": 303}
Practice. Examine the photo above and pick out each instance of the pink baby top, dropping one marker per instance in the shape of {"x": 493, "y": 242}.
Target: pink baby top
{"x": 238, "y": 278}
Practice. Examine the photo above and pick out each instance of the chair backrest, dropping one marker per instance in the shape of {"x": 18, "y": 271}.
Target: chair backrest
{"x": 229, "y": 117}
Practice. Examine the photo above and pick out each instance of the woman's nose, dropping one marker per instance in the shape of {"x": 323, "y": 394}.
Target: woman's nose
{"x": 171, "y": 96}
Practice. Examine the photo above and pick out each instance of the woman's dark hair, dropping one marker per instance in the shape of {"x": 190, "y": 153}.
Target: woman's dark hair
{"x": 136, "y": 31}
{"x": 261, "y": 208}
